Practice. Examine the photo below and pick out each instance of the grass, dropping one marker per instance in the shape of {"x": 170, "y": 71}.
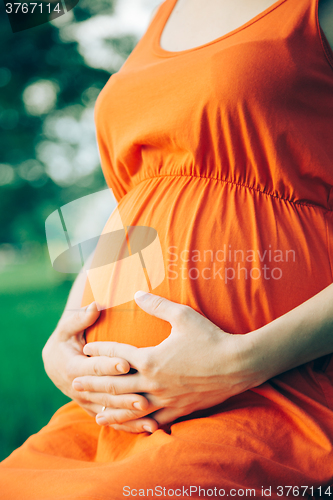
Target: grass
{"x": 32, "y": 297}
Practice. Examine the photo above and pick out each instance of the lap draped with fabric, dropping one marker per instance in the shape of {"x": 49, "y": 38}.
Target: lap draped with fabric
{"x": 226, "y": 151}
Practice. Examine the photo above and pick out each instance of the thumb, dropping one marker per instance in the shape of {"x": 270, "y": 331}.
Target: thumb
{"x": 160, "y": 307}
{"x": 80, "y": 320}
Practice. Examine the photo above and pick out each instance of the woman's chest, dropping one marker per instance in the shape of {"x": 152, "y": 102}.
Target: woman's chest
{"x": 194, "y": 23}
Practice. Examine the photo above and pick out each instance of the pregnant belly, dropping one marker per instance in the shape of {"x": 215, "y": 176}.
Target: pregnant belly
{"x": 239, "y": 257}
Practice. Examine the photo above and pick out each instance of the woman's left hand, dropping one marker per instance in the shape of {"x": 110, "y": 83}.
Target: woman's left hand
{"x": 198, "y": 366}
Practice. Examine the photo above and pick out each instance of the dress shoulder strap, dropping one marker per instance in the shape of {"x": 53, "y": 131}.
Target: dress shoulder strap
{"x": 156, "y": 22}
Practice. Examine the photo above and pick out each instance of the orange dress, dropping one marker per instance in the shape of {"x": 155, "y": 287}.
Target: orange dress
{"x": 226, "y": 150}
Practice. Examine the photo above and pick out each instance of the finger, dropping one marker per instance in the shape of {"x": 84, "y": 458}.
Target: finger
{"x": 135, "y": 402}
{"x": 107, "y": 383}
{"x": 126, "y": 417}
{"x": 132, "y": 354}
{"x": 91, "y": 408}
{"x": 167, "y": 415}
{"x": 163, "y": 308}
{"x": 116, "y": 416}
{"x": 79, "y": 321}
{"x": 131, "y": 384}
{"x": 137, "y": 426}
{"x": 98, "y": 366}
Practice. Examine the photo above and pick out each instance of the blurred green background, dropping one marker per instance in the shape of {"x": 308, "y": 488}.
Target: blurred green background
{"x": 50, "y": 77}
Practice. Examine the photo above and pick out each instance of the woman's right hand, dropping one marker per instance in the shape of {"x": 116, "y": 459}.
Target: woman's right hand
{"x": 64, "y": 361}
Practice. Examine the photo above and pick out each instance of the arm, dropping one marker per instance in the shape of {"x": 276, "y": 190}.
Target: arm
{"x": 199, "y": 366}
{"x": 301, "y": 335}
{"x": 75, "y": 296}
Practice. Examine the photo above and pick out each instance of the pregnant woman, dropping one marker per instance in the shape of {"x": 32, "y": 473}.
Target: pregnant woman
{"x": 217, "y": 133}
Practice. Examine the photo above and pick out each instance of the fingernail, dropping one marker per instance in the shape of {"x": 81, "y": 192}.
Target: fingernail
{"x": 140, "y": 295}
{"x": 137, "y": 406}
{"x": 78, "y": 386}
{"x": 120, "y": 368}
{"x": 147, "y": 428}
{"x": 91, "y": 307}
{"x": 101, "y": 420}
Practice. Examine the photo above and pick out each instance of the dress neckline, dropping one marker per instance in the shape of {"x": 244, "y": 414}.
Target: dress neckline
{"x": 169, "y": 7}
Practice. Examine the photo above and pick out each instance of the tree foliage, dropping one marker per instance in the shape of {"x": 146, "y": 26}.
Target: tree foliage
{"x": 40, "y": 55}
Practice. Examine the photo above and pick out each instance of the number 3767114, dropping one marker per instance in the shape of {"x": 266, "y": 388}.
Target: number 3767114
{"x": 302, "y": 491}
{"x": 31, "y": 8}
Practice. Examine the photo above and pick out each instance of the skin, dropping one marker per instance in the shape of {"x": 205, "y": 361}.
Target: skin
{"x": 63, "y": 355}
{"x": 206, "y": 365}
{"x": 190, "y": 26}
{"x": 64, "y": 361}
{"x": 235, "y": 362}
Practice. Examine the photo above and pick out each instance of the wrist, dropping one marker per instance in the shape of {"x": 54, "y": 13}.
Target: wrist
{"x": 252, "y": 358}
{"x": 274, "y": 350}
{"x": 238, "y": 361}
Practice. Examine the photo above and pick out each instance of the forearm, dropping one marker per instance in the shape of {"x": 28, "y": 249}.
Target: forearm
{"x": 299, "y": 336}
{"x": 75, "y": 296}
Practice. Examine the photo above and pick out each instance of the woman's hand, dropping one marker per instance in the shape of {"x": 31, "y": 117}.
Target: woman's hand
{"x": 198, "y": 366}
{"x": 64, "y": 361}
